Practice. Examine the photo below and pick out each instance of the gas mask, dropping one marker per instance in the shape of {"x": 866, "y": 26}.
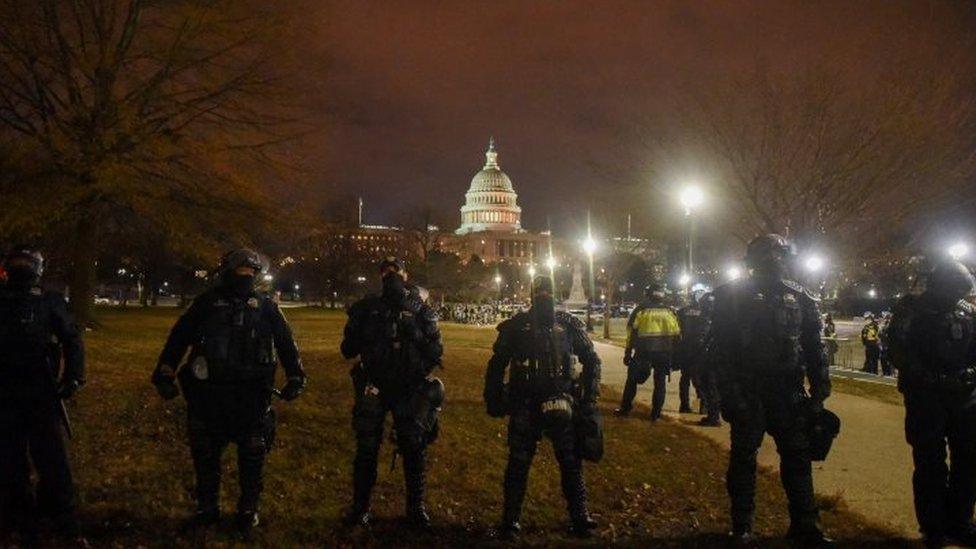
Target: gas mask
{"x": 394, "y": 288}
{"x": 543, "y": 309}
{"x": 240, "y": 284}
{"x": 21, "y": 277}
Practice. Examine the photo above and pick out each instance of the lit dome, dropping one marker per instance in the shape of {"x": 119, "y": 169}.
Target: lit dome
{"x": 490, "y": 203}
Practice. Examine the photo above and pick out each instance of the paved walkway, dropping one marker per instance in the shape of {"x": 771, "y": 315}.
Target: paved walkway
{"x": 869, "y": 465}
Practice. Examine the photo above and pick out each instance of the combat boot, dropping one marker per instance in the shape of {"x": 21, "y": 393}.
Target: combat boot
{"x": 684, "y": 408}
{"x": 964, "y": 535}
{"x": 203, "y": 518}
{"x": 415, "y": 478}
{"x": 356, "y": 517}
{"x": 621, "y": 412}
{"x": 808, "y": 535}
{"x": 743, "y": 537}
{"x": 710, "y": 421}
{"x": 246, "y": 521}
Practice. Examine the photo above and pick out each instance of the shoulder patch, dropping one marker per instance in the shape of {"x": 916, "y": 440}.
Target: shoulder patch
{"x": 967, "y": 307}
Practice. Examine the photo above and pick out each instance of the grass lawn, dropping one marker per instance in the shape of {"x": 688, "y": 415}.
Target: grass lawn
{"x": 657, "y": 483}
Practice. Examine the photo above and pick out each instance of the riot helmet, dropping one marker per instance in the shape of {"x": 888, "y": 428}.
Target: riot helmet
{"x": 24, "y": 266}
{"x": 950, "y": 281}
{"x": 239, "y": 269}
{"x": 768, "y": 256}
{"x": 543, "y": 302}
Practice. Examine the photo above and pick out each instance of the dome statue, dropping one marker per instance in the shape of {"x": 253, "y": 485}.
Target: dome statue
{"x": 490, "y": 203}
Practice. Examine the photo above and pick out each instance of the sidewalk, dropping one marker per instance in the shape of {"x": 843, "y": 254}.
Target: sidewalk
{"x": 869, "y": 466}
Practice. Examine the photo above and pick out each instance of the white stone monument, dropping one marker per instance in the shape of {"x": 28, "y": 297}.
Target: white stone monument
{"x": 577, "y": 297}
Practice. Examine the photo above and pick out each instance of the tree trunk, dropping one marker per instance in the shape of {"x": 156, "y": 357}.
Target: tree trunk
{"x": 81, "y": 281}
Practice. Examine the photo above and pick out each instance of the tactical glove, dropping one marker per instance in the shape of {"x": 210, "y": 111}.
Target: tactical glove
{"x": 167, "y": 389}
{"x": 294, "y": 388}
{"x": 67, "y": 389}
{"x": 587, "y": 408}
{"x": 496, "y": 405}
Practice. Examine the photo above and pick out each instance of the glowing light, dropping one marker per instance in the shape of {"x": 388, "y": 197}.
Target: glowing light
{"x": 733, "y": 273}
{"x": 589, "y": 245}
{"x": 268, "y": 278}
{"x": 532, "y": 271}
{"x": 360, "y": 278}
{"x": 297, "y": 287}
{"x": 551, "y": 263}
{"x": 691, "y": 198}
{"x": 958, "y": 250}
{"x": 814, "y": 263}
{"x": 872, "y": 293}
{"x": 684, "y": 279}
{"x": 498, "y": 279}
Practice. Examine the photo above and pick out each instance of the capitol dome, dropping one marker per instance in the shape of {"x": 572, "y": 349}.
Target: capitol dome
{"x": 490, "y": 203}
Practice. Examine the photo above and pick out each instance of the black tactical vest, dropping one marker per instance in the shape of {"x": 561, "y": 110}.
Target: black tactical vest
{"x": 542, "y": 360}
{"x": 770, "y": 322}
{"x": 946, "y": 339}
{"x": 28, "y": 346}
{"x": 391, "y": 339}
{"x": 236, "y": 342}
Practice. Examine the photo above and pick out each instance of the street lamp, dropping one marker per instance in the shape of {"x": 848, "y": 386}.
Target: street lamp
{"x": 814, "y": 263}
{"x": 684, "y": 280}
{"x": 733, "y": 273}
{"x": 531, "y": 273}
{"x": 958, "y": 250}
{"x": 872, "y": 293}
{"x": 691, "y": 198}
{"x": 589, "y": 246}
{"x": 498, "y": 286}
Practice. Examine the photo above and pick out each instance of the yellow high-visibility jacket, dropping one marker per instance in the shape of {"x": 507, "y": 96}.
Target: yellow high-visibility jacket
{"x": 652, "y": 327}
{"x": 870, "y": 334}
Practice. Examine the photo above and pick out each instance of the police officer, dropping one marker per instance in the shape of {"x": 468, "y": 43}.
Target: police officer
{"x": 766, "y": 337}
{"x": 694, "y": 320}
{"x": 396, "y": 338}
{"x": 652, "y": 335}
{"x": 871, "y": 339}
{"x": 545, "y": 390}
{"x": 235, "y": 335}
{"x": 933, "y": 346}
{"x": 830, "y": 338}
{"x": 42, "y": 363}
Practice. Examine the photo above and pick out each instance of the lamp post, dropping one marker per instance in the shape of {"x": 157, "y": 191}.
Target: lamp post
{"x": 589, "y": 246}
{"x": 814, "y": 265}
{"x": 691, "y": 198}
{"x": 498, "y": 287}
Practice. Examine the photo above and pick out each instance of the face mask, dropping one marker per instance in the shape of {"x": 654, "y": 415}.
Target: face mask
{"x": 394, "y": 287}
{"x": 21, "y": 277}
{"x": 544, "y": 310}
{"x": 240, "y": 284}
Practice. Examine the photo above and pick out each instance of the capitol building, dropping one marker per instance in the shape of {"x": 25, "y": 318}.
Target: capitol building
{"x": 491, "y": 202}
{"x": 491, "y": 220}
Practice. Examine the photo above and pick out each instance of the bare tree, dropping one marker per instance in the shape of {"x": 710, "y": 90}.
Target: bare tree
{"x": 423, "y": 229}
{"x": 823, "y": 153}
{"x": 124, "y": 109}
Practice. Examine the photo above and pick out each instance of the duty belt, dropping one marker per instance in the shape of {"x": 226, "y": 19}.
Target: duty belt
{"x": 964, "y": 379}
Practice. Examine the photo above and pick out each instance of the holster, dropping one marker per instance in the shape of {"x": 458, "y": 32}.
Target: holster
{"x": 589, "y": 435}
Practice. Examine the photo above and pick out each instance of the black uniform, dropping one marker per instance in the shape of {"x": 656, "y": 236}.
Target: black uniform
{"x": 543, "y": 394}
{"x": 235, "y": 339}
{"x": 933, "y": 345}
{"x": 695, "y": 322}
{"x": 871, "y": 339}
{"x": 396, "y": 337}
{"x": 41, "y": 351}
{"x": 766, "y": 337}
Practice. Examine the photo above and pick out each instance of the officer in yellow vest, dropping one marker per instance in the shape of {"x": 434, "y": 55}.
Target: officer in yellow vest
{"x": 871, "y": 338}
{"x": 652, "y": 335}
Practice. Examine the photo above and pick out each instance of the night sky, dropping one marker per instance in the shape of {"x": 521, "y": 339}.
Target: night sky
{"x": 404, "y": 95}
